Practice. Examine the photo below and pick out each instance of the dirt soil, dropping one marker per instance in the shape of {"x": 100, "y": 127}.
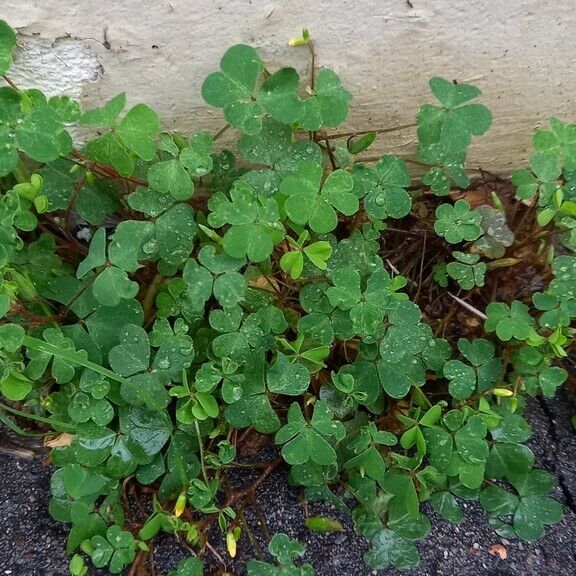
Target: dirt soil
{"x": 32, "y": 544}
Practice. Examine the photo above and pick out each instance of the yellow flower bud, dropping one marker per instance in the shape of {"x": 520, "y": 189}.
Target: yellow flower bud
{"x": 180, "y": 505}
{"x": 231, "y": 544}
{"x": 502, "y": 392}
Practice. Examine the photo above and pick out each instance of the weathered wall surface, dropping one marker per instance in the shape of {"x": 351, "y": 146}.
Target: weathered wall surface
{"x": 519, "y": 52}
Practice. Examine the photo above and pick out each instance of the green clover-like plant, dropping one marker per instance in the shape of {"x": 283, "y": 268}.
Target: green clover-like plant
{"x": 318, "y": 253}
{"x": 304, "y": 441}
{"x": 309, "y": 201}
{"x": 407, "y": 350}
{"x": 383, "y": 187}
{"x": 167, "y": 303}
{"x": 366, "y": 455}
{"x": 509, "y": 322}
{"x": 558, "y": 143}
{"x": 235, "y": 89}
{"x": 444, "y": 133}
{"x": 133, "y": 135}
{"x": 284, "y": 550}
{"x": 174, "y": 176}
{"x": 29, "y": 122}
{"x": 188, "y": 567}
{"x": 368, "y": 307}
{"x": 328, "y": 104}
{"x": 542, "y": 178}
{"x": 484, "y": 373}
{"x": 530, "y": 507}
{"x": 7, "y": 45}
{"x": 457, "y": 223}
{"x": 117, "y": 549}
{"x": 556, "y": 311}
{"x": 468, "y": 271}
{"x": 255, "y": 222}
{"x": 453, "y": 124}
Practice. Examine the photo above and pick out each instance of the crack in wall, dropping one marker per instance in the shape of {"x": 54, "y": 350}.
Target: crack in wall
{"x": 569, "y": 497}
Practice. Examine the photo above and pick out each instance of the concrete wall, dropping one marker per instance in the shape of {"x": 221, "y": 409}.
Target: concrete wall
{"x": 519, "y": 52}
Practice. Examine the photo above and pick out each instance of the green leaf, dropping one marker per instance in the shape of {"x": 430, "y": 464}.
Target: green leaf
{"x": 15, "y": 386}
{"x": 451, "y": 94}
{"x": 507, "y": 459}
{"x": 462, "y": 379}
{"x": 383, "y": 187}
{"x": 270, "y": 146}
{"x": 361, "y": 143}
{"x": 292, "y": 263}
{"x": 453, "y": 125}
{"x": 127, "y": 242}
{"x": 107, "y": 114}
{"x": 439, "y": 446}
{"x": 197, "y": 158}
{"x": 175, "y": 232}
{"x": 550, "y": 379}
{"x": 148, "y": 430}
{"x": 233, "y": 88}
{"x": 483, "y": 374}
{"x": 229, "y": 289}
{"x": 322, "y": 524}
{"x": 498, "y": 501}
{"x": 287, "y": 378}
{"x": 328, "y": 106}
{"x": 468, "y": 272}
{"x": 390, "y": 548}
{"x": 509, "y": 322}
{"x": 170, "y": 177}
{"x": 285, "y": 549}
{"x": 319, "y": 253}
{"x": 188, "y": 567}
{"x": 110, "y": 150}
{"x": 278, "y": 96}
{"x": 137, "y": 130}
{"x": 112, "y": 286}
{"x": 11, "y": 337}
{"x": 38, "y": 135}
{"x": 446, "y": 505}
{"x": 255, "y": 222}
{"x": 132, "y": 355}
{"x": 457, "y": 223}
{"x": 306, "y": 441}
{"x": 559, "y": 143}
{"x": 7, "y": 44}
{"x": 309, "y": 202}
{"x": 533, "y": 513}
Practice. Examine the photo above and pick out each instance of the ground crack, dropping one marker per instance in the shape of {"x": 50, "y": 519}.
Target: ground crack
{"x": 568, "y": 496}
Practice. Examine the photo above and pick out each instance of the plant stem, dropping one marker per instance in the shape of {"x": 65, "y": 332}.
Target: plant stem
{"x": 148, "y": 301}
{"x": 201, "y": 447}
{"x": 51, "y": 421}
{"x": 362, "y": 132}
{"x": 21, "y": 173}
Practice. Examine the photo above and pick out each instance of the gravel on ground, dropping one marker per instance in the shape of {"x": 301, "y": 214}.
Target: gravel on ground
{"x": 32, "y": 544}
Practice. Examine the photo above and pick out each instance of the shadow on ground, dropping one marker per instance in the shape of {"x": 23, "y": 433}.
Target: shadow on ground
{"x": 32, "y": 544}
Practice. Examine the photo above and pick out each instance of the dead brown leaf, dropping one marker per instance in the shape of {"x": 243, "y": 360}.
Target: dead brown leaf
{"x": 63, "y": 439}
{"x": 498, "y": 550}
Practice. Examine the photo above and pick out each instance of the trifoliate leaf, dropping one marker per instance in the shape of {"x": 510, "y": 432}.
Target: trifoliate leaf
{"x": 509, "y": 322}
{"x": 383, "y": 187}
{"x": 310, "y": 202}
{"x": 233, "y": 88}
{"x": 457, "y": 223}
{"x": 287, "y": 378}
{"x": 328, "y": 106}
